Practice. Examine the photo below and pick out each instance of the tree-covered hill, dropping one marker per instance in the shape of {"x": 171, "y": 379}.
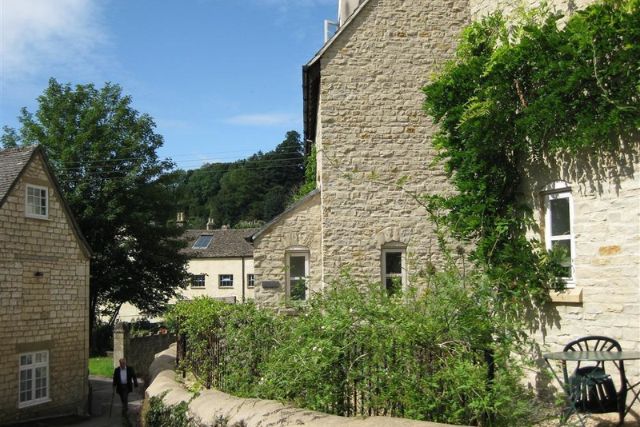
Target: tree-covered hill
{"x": 254, "y": 189}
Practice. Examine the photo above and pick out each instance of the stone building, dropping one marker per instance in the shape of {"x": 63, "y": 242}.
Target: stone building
{"x": 44, "y": 294}
{"x": 362, "y": 112}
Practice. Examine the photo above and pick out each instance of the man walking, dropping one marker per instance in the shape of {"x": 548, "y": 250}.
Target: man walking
{"x": 124, "y": 378}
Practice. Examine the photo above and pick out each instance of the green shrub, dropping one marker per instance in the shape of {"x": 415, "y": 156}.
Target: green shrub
{"x": 160, "y": 415}
{"x": 355, "y": 350}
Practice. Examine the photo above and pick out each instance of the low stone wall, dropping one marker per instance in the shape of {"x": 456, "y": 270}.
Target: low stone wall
{"x": 139, "y": 351}
{"x": 212, "y": 404}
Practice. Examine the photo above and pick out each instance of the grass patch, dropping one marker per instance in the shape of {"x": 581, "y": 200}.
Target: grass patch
{"x": 101, "y": 366}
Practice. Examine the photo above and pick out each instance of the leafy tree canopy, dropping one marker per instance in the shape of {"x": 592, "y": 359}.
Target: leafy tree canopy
{"x": 254, "y": 189}
{"x": 518, "y": 92}
{"x": 104, "y": 155}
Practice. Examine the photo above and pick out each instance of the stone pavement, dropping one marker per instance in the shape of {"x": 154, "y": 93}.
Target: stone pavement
{"x": 106, "y": 414}
{"x": 101, "y": 415}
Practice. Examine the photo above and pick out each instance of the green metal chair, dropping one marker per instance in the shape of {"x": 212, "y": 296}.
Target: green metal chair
{"x": 591, "y": 388}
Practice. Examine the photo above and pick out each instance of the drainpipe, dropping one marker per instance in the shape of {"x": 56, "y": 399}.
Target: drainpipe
{"x": 243, "y": 280}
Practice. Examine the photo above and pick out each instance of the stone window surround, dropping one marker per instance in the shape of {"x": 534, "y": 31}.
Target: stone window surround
{"x": 198, "y": 281}
{"x": 225, "y": 281}
{"x": 27, "y": 212}
{"x": 393, "y": 247}
{"x": 554, "y": 191}
{"x": 297, "y": 251}
{"x": 32, "y": 367}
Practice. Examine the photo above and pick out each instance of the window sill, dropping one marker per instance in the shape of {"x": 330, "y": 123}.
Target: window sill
{"x": 33, "y": 403}
{"x": 225, "y": 287}
{"x": 34, "y": 216}
{"x": 568, "y": 296}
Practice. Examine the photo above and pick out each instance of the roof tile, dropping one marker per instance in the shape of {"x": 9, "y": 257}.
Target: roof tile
{"x": 12, "y": 161}
{"x": 228, "y": 243}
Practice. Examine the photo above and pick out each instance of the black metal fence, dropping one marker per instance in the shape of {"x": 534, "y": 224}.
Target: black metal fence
{"x": 360, "y": 383}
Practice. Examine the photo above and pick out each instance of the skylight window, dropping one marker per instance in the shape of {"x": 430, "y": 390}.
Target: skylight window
{"x": 202, "y": 242}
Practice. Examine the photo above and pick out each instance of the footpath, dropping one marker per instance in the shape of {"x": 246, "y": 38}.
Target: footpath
{"x": 106, "y": 409}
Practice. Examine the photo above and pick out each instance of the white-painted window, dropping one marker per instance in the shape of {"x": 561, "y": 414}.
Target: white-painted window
{"x": 394, "y": 269}
{"x": 33, "y": 378}
{"x": 197, "y": 280}
{"x": 37, "y": 202}
{"x": 297, "y": 274}
{"x": 225, "y": 280}
{"x": 251, "y": 280}
{"x": 559, "y": 226}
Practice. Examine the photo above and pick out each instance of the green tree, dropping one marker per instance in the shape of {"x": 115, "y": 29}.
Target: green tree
{"x": 104, "y": 154}
{"x": 253, "y": 189}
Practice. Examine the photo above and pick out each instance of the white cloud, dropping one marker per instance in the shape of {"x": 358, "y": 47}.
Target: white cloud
{"x": 43, "y": 36}
{"x": 269, "y": 119}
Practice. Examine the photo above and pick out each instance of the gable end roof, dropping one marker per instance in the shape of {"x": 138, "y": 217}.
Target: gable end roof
{"x": 278, "y": 218}
{"x": 13, "y": 164}
{"x": 311, "y": 81}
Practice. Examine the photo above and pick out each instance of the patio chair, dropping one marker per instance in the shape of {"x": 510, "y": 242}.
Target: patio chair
{"x": 592, "y": 389}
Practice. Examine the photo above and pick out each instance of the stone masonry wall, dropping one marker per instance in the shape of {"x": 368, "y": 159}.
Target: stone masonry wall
{"x": 297, "y": 228}
{"x": 374, "y": 132}
{"x": 606, "y": 224}
{"x": 42, "y": 312}
{"x": 139, "y": 351}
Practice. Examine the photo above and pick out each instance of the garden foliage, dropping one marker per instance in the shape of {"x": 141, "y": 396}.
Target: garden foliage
{"x": 517, "y": 92}
{"x": 356, "y": 350}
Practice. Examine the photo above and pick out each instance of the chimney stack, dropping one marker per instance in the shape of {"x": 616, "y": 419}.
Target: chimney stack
{"x": 180, "y": 219}
{"x": 210, "y": 224}
{"x": 345, "y": 9}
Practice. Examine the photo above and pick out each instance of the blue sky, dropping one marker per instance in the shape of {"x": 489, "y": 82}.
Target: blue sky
{"x": 221, "y": 78}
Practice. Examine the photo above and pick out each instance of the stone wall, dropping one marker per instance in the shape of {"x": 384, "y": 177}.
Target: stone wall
{"x": 606, "y": 224}
{"x": 372, "y": 132}
{"x": 44, "y": 289}
{"x": 139, "y": 351}
{"x": 211, "y": 405}
{"x": 297, "y": 228}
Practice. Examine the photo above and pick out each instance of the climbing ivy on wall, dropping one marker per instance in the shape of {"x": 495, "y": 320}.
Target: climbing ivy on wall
{"x": 514, "y": 93}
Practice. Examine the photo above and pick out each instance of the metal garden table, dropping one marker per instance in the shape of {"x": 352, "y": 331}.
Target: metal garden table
{"x": 594, "y": 356}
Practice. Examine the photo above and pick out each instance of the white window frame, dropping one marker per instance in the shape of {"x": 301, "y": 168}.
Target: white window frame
{"x": 27, "y": 206}
{"x": 221, "y": 280}
{"x": 195, "y": 278}
{"x": 33, "y": 367}
{"x": 392, "y": 249}
{"x": 297, "y": 253}
{"x": 555, "y": 191}
{"x": 251, "y": 280}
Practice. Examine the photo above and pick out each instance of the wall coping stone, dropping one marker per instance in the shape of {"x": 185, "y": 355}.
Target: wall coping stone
{"x": 211, "y": 404}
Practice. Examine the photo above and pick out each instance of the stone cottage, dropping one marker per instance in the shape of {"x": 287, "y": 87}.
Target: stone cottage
{"x": 362, "y": 112}
{"x": 44, "y": 294}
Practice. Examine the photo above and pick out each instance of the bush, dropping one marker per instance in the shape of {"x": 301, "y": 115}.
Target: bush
{"x": 160, "y": 415}
{"x": 355, "y": 350}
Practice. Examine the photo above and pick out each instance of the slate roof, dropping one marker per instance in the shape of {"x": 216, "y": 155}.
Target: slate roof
{"x": 225, "y": 243}
{"x": 12, "y": 162}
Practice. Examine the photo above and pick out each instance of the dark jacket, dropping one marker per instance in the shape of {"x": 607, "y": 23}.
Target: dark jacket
{"x": 131, "y": 379}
